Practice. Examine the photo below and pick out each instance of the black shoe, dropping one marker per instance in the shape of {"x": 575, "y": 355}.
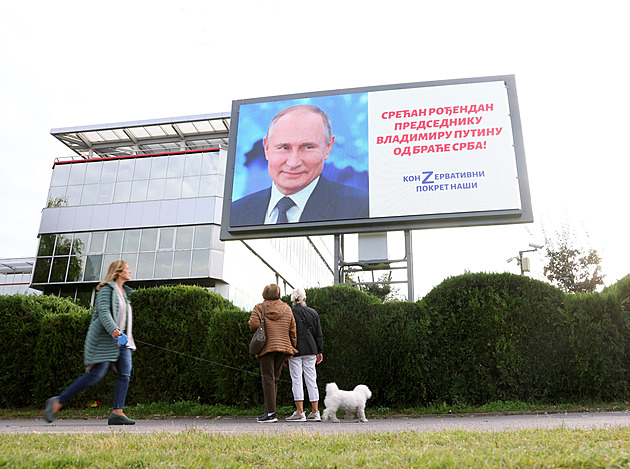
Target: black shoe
{"x": 267, "y": 418}
{"x": 49, "y": 416}
{"x": 115, "y": 419}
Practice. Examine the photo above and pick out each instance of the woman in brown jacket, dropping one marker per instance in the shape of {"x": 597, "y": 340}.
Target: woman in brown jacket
{"x": 281, "y": 341}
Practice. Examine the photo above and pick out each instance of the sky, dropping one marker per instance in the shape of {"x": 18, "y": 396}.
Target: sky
{"x": 71, "y": 63}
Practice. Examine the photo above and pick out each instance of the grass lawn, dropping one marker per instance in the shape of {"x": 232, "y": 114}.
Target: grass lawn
{"x": 559, "y": 447}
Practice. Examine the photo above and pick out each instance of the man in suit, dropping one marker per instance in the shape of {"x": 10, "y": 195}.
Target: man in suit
{"x": 298, "y": 141}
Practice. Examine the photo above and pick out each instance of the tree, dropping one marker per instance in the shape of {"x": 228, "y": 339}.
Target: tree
{"x": 573, "y": 268}
{"x": 382, "y": 290}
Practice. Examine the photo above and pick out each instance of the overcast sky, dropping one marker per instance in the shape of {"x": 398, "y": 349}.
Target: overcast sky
{"x": 71, "y": 63}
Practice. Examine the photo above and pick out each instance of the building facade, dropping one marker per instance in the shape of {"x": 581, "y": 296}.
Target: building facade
{"x": 15, "y": 276}
{"x": 151, "y": 193}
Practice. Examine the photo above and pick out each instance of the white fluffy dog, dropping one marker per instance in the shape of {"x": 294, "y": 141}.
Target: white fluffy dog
{"x": 350, "y": 401}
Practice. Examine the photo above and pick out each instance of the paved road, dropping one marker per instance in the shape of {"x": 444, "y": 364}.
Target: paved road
{"x": 236, "y": 426}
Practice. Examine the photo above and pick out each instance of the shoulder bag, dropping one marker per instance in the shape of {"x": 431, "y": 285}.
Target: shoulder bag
{"x": 258, "y": 340}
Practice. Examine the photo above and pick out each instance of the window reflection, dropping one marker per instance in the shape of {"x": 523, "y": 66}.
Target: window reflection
{"x": 77, "y": 173}
{"x": 93, "y": 268}
{"x": 60, "y": 175}
{"x": 122, "y": 192}
{"x": 125, "y": 170}
{"x": 93, "y": 172}
{"x": 110, "y": 168}
{"x": 181, "y": 264}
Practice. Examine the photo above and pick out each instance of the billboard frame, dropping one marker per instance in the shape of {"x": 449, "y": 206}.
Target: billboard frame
{"x": 389, "y": 223}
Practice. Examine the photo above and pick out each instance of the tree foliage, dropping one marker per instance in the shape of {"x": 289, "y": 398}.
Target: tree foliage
{"x": 569, "y": 266}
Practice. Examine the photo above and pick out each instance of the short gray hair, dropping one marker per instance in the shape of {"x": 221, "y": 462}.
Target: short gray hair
{"x": 298, "y": 296}
{"x": 328, "y": 133}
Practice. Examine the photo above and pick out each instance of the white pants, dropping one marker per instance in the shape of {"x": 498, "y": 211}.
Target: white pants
{"x": 304, "y": 365}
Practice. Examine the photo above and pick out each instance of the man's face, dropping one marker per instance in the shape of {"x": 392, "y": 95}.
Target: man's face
{"x": 296, "y": 150}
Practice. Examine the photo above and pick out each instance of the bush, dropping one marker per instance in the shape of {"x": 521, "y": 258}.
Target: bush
{"x": 474, "y": 339}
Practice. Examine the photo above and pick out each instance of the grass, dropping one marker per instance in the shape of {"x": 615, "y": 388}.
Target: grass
{"x": 560, "y": 447}
{"x": 195, "y": 409}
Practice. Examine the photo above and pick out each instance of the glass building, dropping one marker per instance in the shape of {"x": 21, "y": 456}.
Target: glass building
{"x": 151, "y": 193}
{"x": 15, "y": 276}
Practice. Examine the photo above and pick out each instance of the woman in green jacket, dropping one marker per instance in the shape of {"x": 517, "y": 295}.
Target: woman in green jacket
{"x": 105, "y": 345}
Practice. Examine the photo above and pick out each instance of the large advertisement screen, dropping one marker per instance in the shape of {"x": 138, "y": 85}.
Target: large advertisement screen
{"x": 413, "y": 156}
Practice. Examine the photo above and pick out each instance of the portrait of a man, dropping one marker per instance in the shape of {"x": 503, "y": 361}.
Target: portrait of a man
{"x": 298, "y": 141}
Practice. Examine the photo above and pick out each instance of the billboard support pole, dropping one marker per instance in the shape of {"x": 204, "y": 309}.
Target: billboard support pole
{"x": 409, "y": 256}
{"x": 337, "y": 260}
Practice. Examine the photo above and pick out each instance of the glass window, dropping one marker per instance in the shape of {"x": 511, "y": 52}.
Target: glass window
{"x": 207, "y": 186}
{"x": 149, "y": 240}
{"x": 210, "y": 163}
{"x": 156, "y": 189}
{"x": 93, "y": 268}
{"x": 166, "y": 238}
{"x": 125, "y": 169}
{"x": 84, "y": 296}
{"x": 139, "y": 190}
{"x": 175, "y": 166}
{"x": 57, "y": 197}
{"x": 114, "y": 242}
{"x": 90, "y": 194}
{"x": 79, "y": 245}
{"x": 96, "y": 243}
{"x": 131, "y": 241}
{"x": 158, "y": 167}
{"x": 42, "y": 269}
{"x": 59, "y": 268}
{"x": 75, "y": 268}
{"x": 163, "y": 264}
{"x": 107, "y": 260}
{"x": 172, "y": 188}
{"x": 63, "y": 245}
{"x": 77, "y": 173}
{"x": 142, "y": 169}
{"x": 73, "y": 195}
{"x": 105, "y": 193}
{"x": 192, "y": 166}
{"x": 203, "y": 237}
{"x": 110, "y": 168}
{"x": 200, "y": 263}
{"x": 46, "y": 245}
{"x": 145, "y": 265}
{"x": 93, "y": 172}
{"x": 190, "y": 186}
{"x": 184, "y": 237}
{"x": 122, "y": 192}
{"x": 131, "y": 260}
{"x": 181, "y": 264}
{"x": 60, "y": 175}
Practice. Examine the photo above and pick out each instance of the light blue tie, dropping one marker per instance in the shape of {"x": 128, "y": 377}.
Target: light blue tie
{"x": 284, "y": 204}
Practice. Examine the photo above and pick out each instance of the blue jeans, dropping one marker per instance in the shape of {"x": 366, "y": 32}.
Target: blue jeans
{"x": 96, "y": 373}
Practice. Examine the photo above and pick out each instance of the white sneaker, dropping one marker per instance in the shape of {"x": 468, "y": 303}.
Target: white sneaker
{"x": 314, "y": 417}
{"x": 295, "y": 417}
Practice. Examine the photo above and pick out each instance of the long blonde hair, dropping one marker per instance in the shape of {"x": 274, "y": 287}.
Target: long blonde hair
{"x": 115, "y": 268}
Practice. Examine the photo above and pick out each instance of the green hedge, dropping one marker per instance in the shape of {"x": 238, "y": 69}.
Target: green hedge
{"x": 473, "y": 339}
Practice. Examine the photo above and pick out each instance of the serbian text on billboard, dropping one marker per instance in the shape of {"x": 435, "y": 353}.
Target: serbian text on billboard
{"x": 407, "y": 156}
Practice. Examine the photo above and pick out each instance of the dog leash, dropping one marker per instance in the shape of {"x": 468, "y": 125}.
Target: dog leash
{"x": 209, "y": 361}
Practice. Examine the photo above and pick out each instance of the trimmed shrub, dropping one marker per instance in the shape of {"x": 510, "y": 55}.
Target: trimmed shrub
{"x": 171, "y": 326}
{"x": 493, "y": 337}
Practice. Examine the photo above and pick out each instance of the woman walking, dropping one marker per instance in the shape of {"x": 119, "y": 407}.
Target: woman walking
{"x": 105, "y": 345}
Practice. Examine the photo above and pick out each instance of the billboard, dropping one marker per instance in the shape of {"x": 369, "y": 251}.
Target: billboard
{"x": 410, "y": 156}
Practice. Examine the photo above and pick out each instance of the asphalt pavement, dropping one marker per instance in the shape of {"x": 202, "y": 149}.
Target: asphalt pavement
{"x": 238, "y": 426}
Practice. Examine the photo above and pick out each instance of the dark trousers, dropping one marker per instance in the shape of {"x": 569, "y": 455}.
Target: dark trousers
{"x": 270, "y": 369}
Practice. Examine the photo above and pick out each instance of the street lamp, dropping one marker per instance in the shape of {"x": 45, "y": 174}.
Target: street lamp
{"x": 524, "y": 263}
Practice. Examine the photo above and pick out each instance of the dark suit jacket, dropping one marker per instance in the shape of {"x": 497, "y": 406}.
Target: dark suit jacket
{"x": 329, "y": 201}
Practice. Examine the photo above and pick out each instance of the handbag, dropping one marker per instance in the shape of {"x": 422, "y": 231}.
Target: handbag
{"x": 258, "y": 340}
